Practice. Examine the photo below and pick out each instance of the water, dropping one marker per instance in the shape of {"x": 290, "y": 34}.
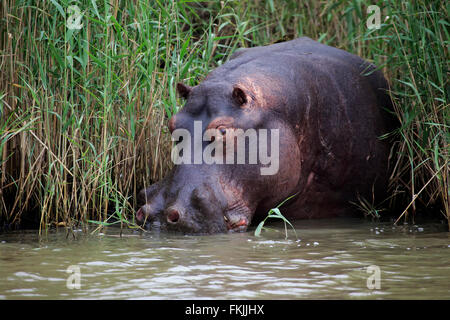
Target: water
{"x": 330, "y": 260}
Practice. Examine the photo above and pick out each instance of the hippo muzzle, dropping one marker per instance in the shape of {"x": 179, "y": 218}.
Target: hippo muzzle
{"x": 185, "y": 203}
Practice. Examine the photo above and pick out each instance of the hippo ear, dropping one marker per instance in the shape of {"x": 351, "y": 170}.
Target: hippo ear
{"x": 183, "y": 90}
{"x": 239, "y": 96}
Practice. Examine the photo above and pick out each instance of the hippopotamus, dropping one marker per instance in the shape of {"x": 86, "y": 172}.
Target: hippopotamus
{"x": 328, "y": 107}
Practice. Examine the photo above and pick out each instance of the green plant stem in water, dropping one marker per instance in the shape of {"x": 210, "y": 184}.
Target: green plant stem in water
{"x": 275, "y": 213}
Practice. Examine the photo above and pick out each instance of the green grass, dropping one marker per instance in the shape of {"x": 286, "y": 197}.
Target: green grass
{"x": 84, "y": 112}
{"x": 275, "y": 213}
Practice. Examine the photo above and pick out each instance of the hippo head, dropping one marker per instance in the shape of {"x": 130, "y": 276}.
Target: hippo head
{"x": 234, "y": 156}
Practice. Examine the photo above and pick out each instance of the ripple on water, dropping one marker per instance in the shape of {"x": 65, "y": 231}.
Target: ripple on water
{"x": 100, "y": 263}
{"x": 239, "y": 266}
{"x": 25, "y": 292}
{"x": 243, "y": 294}
{"x": 31, "y": 277}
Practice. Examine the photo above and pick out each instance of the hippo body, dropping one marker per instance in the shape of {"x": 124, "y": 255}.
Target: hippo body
{"x": 329, "y": 107}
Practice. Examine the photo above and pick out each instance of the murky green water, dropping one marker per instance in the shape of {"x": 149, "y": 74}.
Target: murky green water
{"x": 329, "y": 261}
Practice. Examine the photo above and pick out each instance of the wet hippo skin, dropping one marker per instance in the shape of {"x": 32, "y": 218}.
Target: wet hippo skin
{"x": 329, "y": 107}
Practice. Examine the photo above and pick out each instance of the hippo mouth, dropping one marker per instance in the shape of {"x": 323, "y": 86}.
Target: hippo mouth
{"x": 235, "y": 223}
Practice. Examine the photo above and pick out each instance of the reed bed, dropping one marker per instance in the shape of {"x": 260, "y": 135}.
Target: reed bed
{"x": 84, "y": 111}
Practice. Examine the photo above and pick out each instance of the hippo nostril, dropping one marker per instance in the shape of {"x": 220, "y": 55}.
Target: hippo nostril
{"x": 173, "y": 216}
{"x": 145, "y": 213}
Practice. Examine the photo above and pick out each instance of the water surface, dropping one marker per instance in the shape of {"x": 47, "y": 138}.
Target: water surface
{"x": 329, "y": 260}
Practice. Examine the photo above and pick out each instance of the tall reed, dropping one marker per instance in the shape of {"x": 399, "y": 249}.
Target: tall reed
{"x": 84, "y": 111}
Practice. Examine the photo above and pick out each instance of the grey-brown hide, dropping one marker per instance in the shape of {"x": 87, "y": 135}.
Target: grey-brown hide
{"x": 328, "y": 106}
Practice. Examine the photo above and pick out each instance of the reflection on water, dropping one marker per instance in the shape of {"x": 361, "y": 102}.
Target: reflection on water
{"x": 328, "y": 261}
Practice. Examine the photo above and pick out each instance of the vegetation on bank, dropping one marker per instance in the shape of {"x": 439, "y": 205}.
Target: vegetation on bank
{"x": 84, "y": 110}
